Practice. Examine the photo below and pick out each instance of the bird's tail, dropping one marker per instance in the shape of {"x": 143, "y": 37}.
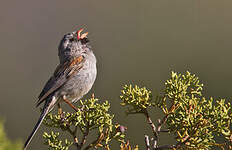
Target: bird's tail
{"x": 47, "y": 107}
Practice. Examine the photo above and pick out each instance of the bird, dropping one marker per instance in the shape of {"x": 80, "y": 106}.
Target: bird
{"x": 72, "y": 78}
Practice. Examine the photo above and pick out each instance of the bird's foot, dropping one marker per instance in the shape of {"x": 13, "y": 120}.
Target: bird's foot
{"x": 70, "y": 104}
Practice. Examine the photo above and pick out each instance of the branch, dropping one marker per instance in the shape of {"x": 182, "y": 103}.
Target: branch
{"x": 156, "y": 131}
{"x": 85, "y": 134}
{"x": 173, "y": 146}
{"x": 164, "y": 130}
{"x": 161, "y": 123}
{"x": 95, "y": 142}
{"x": 164, "y": 147}
{"x": 153, "y": 127}
{"x": 147, "y": 142}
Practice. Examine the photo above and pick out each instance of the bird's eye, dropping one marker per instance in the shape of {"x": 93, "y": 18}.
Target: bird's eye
{"x": 71, "y": 40}
{"x": 84, "y": 40}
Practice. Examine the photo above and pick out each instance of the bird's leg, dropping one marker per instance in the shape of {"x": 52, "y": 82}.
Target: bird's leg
{"x": 59, "y": 109}
{"x": 60, "y": 112}
{"x": 70, "y": 104}
{"x": 93, "y": 96}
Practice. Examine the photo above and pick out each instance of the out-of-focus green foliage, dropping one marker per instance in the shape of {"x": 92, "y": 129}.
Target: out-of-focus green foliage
{"x": 91, "y": 116}
{"x": 5, "y": 143}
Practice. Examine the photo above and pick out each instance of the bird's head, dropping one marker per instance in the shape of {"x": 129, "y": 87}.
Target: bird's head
{"x": 74, "y": 44}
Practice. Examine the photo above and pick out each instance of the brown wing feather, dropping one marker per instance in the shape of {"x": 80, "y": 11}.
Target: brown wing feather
{"x": 61, "y": 75}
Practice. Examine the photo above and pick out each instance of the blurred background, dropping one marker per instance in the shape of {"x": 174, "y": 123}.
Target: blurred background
{"x": 139, "y": 42}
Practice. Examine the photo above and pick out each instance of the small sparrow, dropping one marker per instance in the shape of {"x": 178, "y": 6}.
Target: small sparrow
{"x": 73, "y": 77}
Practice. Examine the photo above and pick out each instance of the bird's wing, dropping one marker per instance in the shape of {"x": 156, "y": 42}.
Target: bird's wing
{"x": 61, "y": 75}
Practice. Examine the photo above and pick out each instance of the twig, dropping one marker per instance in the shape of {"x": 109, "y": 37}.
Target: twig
{"x": 173, "y": 146}
{"x": 75, "y": 137}
{"x": 85, "y": 134}
{"x": 153, "y": 127}
{"x": 154, "y": 145}
{"x": 162, "y": 122}
{"x": 91, "y": 145}
{"x": 164, "y": 130}
{"x": 76, "y": 142}
{"x": 164, "y": 119}
{"x": 164, "y": 147}
{"x": 95, "y": 142}
{"x": 183, "y": 142}
{"x": 147, "y": 142}
{"x": 156, "y": 131}
{"x": 63, "y": 119}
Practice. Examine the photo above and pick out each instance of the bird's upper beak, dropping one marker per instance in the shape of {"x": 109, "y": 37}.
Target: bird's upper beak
{"x": 81, "y": 36}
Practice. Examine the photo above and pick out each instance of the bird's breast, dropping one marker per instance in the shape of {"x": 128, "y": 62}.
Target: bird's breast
{"x": 81, "y": 82}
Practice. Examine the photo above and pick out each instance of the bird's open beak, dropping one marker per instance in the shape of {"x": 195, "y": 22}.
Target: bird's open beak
{"x": 81, "y": 36}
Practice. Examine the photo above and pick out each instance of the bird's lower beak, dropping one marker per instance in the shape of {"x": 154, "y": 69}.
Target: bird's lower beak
{"x": 81, "y": 36}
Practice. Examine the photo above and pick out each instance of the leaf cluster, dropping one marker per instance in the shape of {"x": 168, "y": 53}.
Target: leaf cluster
{"x": 138, "y": 99}
{"x": 55, "y": 143}
{"x": 92, "y": 116}
{"x": 196, "y": 121}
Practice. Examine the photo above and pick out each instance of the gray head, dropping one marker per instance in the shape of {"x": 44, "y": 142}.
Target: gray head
{"x": 73, "y": 45}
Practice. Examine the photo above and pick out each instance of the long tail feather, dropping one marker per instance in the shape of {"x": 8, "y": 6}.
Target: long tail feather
{"x": 46, "y": 109}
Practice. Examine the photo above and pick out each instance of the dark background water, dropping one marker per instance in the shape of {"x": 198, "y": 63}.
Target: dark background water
{"x": 139, "y": 41}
